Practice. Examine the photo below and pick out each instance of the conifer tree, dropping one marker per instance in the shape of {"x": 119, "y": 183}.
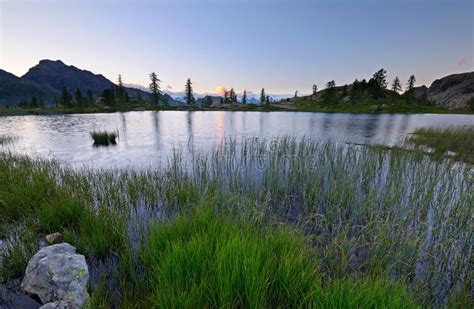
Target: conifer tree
{"x": 411, "y": 83}
{"x": 232, "y": 96}
{"x": 121, "y": 94}
{"x": 396, "y": 86}
{"x": 244, "y": 97}
{"x": 189, "y": 92}
{"x": 65, "y": 98}
{"x": 155, "y": 88}
{"x": 315, "y": 89}
{"x": 262, "y": 96}
{"x": 78, "y": 97}
{"x": 90, "y": 98}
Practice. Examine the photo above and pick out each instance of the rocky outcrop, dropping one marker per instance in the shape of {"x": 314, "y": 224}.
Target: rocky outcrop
{"x": 58, "y": 276}
{"x": 453, "y": 91}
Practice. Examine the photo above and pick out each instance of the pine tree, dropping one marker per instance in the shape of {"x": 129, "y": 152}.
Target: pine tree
{"x": 262, "y": 96}
{"x": 226, "y": 97}
{"x": 244, "y": 97}
{"x": 267, "y": 100}
{"x": 315, "y": 89}
{"x": 296, "y": 94}
{"x": 90, "y": 98}
{"x": 189, "y": 92}
{"x": 65, "y": 98}
{"x": 329, "y": 95}
{"x": 380, "y": 78}
{"x": 411, "y": 83}
{"x": 155, "y": 88}
{"x": 409, "y": 88}
{"x": 78, "y": 97}
{"x": 378, "y": 83}
{"x": 121, "y": 94}
{"x": 396, "y": 86}
{"x": 232, "y": 96}
{"x": 34, "y": 102}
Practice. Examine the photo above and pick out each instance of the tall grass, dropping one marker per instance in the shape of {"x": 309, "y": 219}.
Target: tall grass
{"x": 104, "y": 138}
{"x": 365, "y": 212}
{"x": 209, "y": 260}
{"x": 457, "y": 140}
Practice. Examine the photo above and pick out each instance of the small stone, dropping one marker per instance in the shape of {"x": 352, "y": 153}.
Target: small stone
{"x": 57, "y": 305}
{"x": 54, "y": 238}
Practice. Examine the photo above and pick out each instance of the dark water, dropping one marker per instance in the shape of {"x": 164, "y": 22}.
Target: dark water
{"x": 147, "y": 138}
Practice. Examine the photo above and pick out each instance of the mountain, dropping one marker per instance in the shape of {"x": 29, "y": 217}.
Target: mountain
{"x": 59, "y": 76}
{"x": 451, "y": 92}
{"x": 15, "y": 90}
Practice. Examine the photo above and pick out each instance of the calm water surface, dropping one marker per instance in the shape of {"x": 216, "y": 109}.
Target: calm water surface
{"x": 148, "y": 138}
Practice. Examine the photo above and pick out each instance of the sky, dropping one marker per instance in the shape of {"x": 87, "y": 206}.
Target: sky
{"x": 278, "y": 45}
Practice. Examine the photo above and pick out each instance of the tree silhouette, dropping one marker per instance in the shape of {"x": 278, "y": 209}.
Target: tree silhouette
{"x": 315, "y": 89}
{"x": 244, "y": 97}
{"x": 411, "y": 83}
{"x": 396, "y": 86}
{"x": 409, "y": 88}
{"x": 232, "y": 96}
{"x": 262, "y": 96}
{"x": 90, "y": 98}
{"x": 78, "y": 97}
{"x": 65, "y": 98}
{"x": 155, "y": 88}
{"x": 189, "y": 92}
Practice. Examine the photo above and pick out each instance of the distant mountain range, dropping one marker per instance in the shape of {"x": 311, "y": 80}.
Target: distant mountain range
{"x": 15, "y": 90}
{"x": 49, "y": 78}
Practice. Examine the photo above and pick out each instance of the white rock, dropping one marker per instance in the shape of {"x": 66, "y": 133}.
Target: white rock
{"x": 57, "y": 275}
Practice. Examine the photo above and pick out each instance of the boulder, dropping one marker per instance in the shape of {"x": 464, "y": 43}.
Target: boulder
{"x": 56, "y": 274}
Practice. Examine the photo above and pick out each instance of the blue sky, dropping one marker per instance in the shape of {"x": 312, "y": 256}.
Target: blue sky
{"x": 280, "y": 45}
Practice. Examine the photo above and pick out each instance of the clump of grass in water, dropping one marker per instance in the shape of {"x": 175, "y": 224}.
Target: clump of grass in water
{"x": 458, "y": 140}
{"x": 104, "y": 138}
{"x": 210, "y": 260}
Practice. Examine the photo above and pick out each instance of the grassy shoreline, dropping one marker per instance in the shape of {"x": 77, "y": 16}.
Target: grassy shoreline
{"x": 458, "y": 142}
{"x": 361, "y": 215}
{"x": 305, "y": 106}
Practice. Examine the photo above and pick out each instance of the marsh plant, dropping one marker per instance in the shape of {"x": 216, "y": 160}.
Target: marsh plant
{"x": 364, "y": 212}
{"x": 457, "y": 140}
{"x": 104, "y": 138}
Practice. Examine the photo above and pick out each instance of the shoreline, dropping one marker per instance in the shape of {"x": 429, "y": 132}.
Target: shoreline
{"x": 248, "y": 108}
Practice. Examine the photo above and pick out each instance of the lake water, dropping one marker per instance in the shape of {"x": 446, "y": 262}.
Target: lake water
{"x": 147, "y": 138}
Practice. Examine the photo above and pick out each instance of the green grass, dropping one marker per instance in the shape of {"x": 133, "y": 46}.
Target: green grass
{"x": 457, "y": 140}
{"x": 210, "y": 260}
{"x": 388, "y": 105}
{"x": 104, "y": 138}
{"x": 33, "y": 203}
{"x": 363, "y": 213}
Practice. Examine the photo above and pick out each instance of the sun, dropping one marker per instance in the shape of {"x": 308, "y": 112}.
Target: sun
{"x": 220, "y": 90}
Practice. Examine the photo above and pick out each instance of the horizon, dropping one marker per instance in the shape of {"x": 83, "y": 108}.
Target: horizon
{"x": 405, "y": 42}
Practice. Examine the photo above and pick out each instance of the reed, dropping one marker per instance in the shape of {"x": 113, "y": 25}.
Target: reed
{"x": 364, "y": 212}
{"x": 104, "y": 138}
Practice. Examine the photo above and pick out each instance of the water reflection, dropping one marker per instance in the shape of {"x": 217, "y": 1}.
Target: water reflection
{"x": 148, "y": 138}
